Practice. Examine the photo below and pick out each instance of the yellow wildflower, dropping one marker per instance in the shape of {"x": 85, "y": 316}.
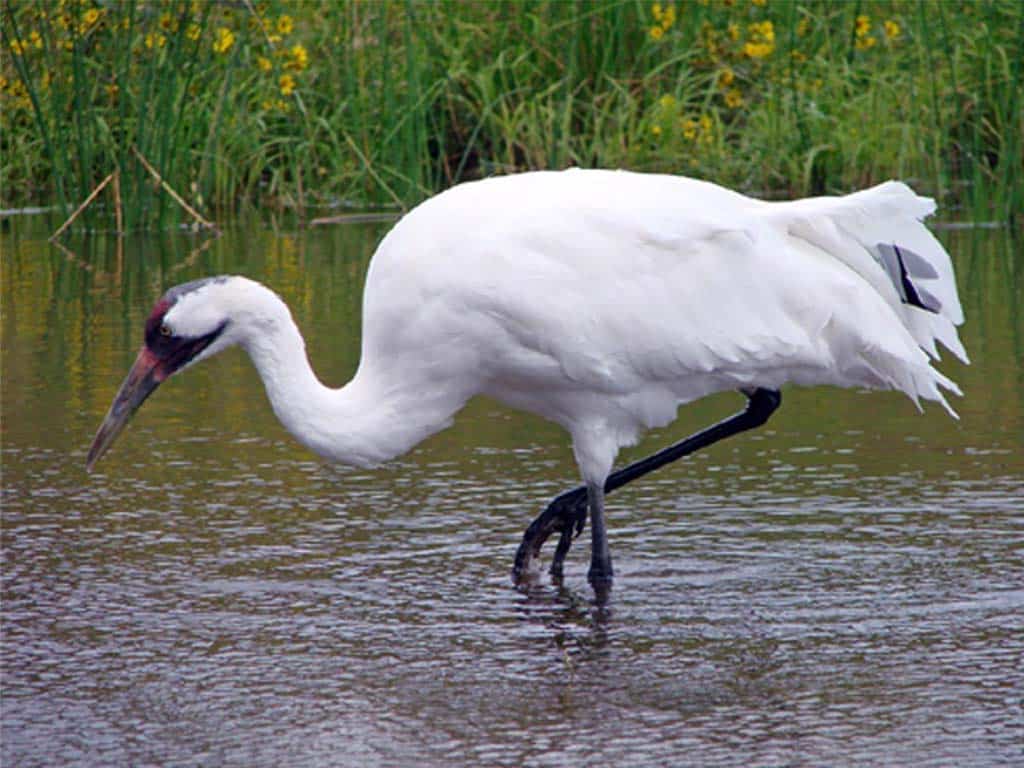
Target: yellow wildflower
{"x": 802, "y": 26}
{"x": 689, "y": 129}
{"x": 656, "y": 130}
{"x": 263, "y": 63}
{"x": 35, "y": 39}
{"x": 761, "y": 42}
{"x": 299, "y": 57}
{"x": 155, "y": 40}
{"x": 734, "y": 32}
{"x": 668, "y": 18}
{"x": 656, "y": 11}
{"x": 89, "y": 18}
{"x": 225, "y": 39}
{"x": 725, "y": 77}
{"x": 892, "y": 29}
{"x": 18, "y": 47}
{"x": 285, "y": 25}
{"x": 193, "y": 32}
{"x": 865, "y": 42}
{"x": 287, "y": 84}
{"x": 657, "y": 32}
{"x": 167, "y": 22}
{"x": 862, "y": 25}
{"x": 667, "y": 101}
{"x": 733, "y": 98}
{"x": 759, "y": 2}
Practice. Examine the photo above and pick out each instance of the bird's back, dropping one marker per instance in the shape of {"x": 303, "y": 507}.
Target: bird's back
{"x": 603, "y": 300}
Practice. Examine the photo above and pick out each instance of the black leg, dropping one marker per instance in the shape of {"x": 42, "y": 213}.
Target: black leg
{"x": 600, "y": 573}
{"x": 568, "y": 512}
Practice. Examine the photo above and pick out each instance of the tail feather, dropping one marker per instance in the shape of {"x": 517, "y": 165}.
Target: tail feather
{"x": 920, "y": 326}
{"x": 878, "y": 233}
{"x": 932, "y": 392}
{"x": 891, "y": 214}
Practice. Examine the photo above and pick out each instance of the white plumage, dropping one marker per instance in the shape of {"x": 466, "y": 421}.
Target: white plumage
{"x": 602, "y": 300}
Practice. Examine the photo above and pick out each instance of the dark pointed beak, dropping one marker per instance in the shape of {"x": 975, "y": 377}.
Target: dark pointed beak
{"x": 145, "y": 376}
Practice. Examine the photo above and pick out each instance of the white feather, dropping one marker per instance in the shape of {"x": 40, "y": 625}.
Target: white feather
{"x": 851, "y": 227}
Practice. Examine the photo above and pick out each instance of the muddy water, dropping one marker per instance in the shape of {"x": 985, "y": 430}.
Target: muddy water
{"x": 843, "y": 587}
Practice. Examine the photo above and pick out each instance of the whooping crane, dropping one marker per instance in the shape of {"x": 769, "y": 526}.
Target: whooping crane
{"x": 601, "y": 300}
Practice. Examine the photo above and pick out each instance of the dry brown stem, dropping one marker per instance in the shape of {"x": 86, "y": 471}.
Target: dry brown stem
{"x": 82, "y": 207}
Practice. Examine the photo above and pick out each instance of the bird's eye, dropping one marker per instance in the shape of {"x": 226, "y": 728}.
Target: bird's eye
{"x": 165, "y": 330}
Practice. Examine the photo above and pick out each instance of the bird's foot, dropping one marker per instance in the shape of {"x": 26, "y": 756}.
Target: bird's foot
{"x": 600, "y": 579}
{"x": 567, "y": 514}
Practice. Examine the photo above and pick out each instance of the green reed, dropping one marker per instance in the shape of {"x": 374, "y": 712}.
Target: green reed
{"x": 307, "y": 105}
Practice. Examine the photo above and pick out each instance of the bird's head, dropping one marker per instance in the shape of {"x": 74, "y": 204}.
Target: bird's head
{"x": 189, "y": 323}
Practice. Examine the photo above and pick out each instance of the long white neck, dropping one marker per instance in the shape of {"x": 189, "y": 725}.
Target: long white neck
{"x": 366, "y": 422}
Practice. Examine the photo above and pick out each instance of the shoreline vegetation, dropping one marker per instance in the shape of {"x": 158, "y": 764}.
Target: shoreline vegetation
{"x": 348, "y": 105}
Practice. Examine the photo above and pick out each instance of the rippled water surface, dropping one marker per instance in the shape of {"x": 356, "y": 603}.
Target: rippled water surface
{"x": 842, "y": 587}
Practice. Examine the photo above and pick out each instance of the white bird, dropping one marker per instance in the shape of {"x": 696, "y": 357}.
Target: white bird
{"x": 601, "y": 300}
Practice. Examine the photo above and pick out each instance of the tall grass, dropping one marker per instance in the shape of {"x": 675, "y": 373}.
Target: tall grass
{"x": 92, "y": 98}
{"x": 352, "y": 103}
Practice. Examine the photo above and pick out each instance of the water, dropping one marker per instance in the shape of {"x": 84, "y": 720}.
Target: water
{"x": 842, "y": 587}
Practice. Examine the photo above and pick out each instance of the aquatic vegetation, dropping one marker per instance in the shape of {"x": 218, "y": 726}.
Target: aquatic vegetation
{"x": 299, "y": 105}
